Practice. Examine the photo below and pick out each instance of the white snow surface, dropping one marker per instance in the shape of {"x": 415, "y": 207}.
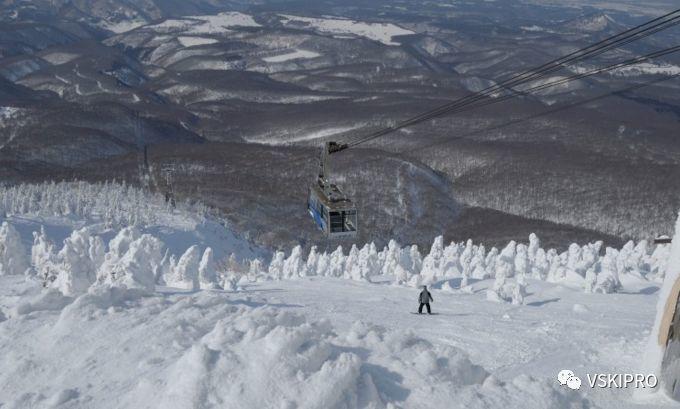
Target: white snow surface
{"x": 123, "y": 26}
{"x": 191, "y": 41}
{"x": 381, "y": 32}
{"x": 645, "y": 68}
{"x": 277, "y": 139}
{"x": 291, "y": 55}
{"x": 208, "y": 24}
{"x": 58, "y": 58}
{"x": 136, "y": 317}
{"x": 312, "y": 343}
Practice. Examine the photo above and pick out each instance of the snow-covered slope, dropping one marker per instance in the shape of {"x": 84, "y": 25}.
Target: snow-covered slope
{"x": 382, "y": 32}
{"x": 110, "y": 313}
{"x": 104, "y": 209}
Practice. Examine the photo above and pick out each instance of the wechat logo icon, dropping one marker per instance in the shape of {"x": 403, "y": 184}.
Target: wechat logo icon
{"x": 567, "y": 378}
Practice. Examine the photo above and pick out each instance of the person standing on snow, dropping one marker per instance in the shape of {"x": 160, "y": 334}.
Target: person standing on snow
{"x": 425, "y": 298}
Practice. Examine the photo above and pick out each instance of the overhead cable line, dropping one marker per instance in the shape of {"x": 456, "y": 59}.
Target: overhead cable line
{"x": 626, "y": 37}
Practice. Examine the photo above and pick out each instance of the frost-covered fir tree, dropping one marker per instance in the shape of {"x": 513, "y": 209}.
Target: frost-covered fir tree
{"x": 534, "y": 247}
{"x": 490, "y": 262}
{"x": 608, "y": 279}
{"x": 521, "y": 260}
{"x": 415, "y": 259}
{"x": 294, "y": 266}
{"x": 13, "y": 254}
{"x": 352, "y": 269}
{"x": 137, "y": 268}
{"x": 312, "y": 264}
{"x": 392, "y": 258}
{"x": 367, "y": 263}
{"x": 43, "y": 258}
{"x": 207, "y": 271}
{"x": 432, "y": 262}
{"x": 336, "y": 266}
{"x": 255, "y": 270}
{"x": 275, "y": 270}
{"x": 77, "y": 272}
{"x": 540, "y": 265}
{"x": 449, "y": 264}
{"x": 185, "y": 274}
{"x": 590, "y": 282}
{"x": 659, "y": 261}
{"x": 478, "y": 264}
{"x": 323, "y": 264}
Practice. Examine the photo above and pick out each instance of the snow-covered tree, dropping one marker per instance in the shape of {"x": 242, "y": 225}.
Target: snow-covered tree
{"x": 351, "y": 264}
{"x": 207, "y": 271}
{"x": 77, "y": 272}
{"x": 392, "y": 258}
{"x": 43, "y": 258}
{"x": 116, "y": 204}
{"x": 608, "y": 279}
{"x": 294, "y": 266}
{"x": 490, "y": 262}
{"x": 414, "y": 259}
{"x": 659, "y": 261}
{"x": 137, "y": 268}
{"x": 185, "y": 273}
{"x": 323, "y": 264}
{"x": 13, "y": 254}
{"x": 540, "y": 265}
{"x": 312, "y": 263}
{"x": 449, "y": 264}
{"x": 336, "y": 266}
{"x": 275, "y": 270}
{"x": 521, "y": 260}
{"x": 534, "y": 247}
{"x": 432, "y": 262}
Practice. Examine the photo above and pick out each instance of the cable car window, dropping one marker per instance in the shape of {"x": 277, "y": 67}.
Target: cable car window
{"x": 336, "y": 220}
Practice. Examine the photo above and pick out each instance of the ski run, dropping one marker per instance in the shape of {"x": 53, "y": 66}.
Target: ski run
{"x": 110, "y": 298}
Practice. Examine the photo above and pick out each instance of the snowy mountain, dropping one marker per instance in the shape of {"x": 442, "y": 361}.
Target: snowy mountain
{"x": 85, "y": 88}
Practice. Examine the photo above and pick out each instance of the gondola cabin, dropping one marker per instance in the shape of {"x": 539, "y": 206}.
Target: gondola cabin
{"x": 332, "y": 211}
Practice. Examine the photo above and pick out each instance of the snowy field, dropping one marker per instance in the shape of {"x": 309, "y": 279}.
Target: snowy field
{"x": 110, "y": 298}
{"x": 208, "y": 24}
{"x": 315, "y": 342}
{"x": 381, "y": 32}
{"x": 292, "y": 55}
